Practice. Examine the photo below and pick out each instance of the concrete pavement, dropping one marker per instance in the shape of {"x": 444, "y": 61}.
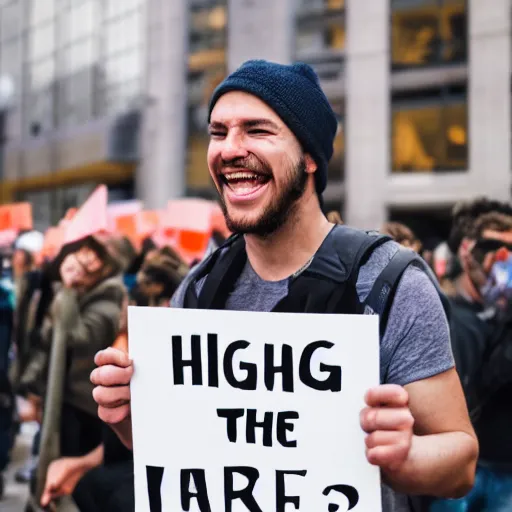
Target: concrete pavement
{"x": 16, "y": 494}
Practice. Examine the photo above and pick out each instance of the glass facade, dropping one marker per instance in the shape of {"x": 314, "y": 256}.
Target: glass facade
{"x": 70, "y": 60}
{"x": 207, "y": 68}
{"x": 429, "y": 125}
{"x": 320, "y": 42}
{"x": 430, "y": 134}
{"x": 123, "y": 57}
{"x": 11, "y": 57}
{"x": 320, "y": 36}
{"x": 428, "y": 32}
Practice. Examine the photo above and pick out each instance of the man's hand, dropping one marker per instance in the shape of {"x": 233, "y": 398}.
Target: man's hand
{"x": 389, "y": 424}
{"x": 112, "y": 392}
{"x": 62, "y": 477}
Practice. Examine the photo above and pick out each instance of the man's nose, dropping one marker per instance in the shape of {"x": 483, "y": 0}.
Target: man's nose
{"x": 233, "y": 147}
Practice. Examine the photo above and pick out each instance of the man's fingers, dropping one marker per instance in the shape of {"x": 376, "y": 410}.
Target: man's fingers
{"x": 390, "y": 457}
{"x": 112, "y": 356}
{"x": 114, "y": 416}
{"x": 111, "y": 375}
{"x": 383, "y": 418}
{"x": 387, "y": 395}
{"x": 111, "y": 397}
{"x": 384, "y": 438}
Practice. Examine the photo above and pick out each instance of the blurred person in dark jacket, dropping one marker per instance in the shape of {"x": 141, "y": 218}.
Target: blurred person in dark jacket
{"x": 6, "y": 395}
{"x": 93, "y": 292}
{"x": 478, "y": 313}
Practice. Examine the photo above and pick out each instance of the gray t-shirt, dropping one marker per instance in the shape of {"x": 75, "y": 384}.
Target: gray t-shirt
{"x": 416, "y": 343}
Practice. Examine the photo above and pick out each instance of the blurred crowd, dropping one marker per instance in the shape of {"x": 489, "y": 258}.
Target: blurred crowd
{"x": 57, "y": 313}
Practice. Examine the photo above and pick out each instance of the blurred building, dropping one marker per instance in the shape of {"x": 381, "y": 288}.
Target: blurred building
{"x": 116, "y": 91}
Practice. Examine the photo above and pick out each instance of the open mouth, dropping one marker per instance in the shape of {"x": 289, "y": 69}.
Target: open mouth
{"x": 244, "y": 183}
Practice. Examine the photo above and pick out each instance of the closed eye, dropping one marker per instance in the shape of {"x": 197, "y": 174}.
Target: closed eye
{"x": 259, "y": 132}
{"x": 215, "y": 133}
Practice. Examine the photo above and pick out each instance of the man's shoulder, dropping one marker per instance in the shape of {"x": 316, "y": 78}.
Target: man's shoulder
{"x": 373, "y": 267}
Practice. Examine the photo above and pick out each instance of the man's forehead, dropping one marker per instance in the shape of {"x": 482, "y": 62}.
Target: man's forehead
{"x": 238, "y": 106}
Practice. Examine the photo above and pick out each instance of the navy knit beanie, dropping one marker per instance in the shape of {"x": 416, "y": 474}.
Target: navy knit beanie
{"x": 294, "y": 93}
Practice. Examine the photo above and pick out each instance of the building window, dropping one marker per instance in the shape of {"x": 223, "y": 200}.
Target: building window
{"x": 207, "y": 68}
{"x": 10, "y": 61}
{"x": 79, "y": 20}
{"x": 122, "y": 60}
{"x": 42, "y": 41}
{"x": 430, "y": 134}
{"x": 11, "y": 20}
{"x": 124, "y": 33}
{"x": 428, "y": 32}
{"x": 117, "y": 8}
{"x": 41, "y": 12}
{"x": 320, "y": 36}
{"x": 336, "y": 168}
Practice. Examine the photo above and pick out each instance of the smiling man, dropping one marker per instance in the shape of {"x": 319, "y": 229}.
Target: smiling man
{"x": 271, "y": 138}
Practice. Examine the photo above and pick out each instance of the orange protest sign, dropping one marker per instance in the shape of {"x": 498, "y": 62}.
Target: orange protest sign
{"x": 122, "y": 209}
{"x": 190, "y": 214}
{"x": 187, "y": 226}
{"x": 90, "y": 219}
{"x": 16, "y": 216}
{"x": 147, "y": 222}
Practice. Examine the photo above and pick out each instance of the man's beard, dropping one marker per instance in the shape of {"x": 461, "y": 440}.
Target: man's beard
{"x": 278, "y": 211}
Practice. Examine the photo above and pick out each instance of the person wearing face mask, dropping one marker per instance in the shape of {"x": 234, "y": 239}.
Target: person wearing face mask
{"x": 481, "y": 329}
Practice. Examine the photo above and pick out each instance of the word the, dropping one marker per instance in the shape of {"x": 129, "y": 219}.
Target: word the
{"x": 283, "y": 425}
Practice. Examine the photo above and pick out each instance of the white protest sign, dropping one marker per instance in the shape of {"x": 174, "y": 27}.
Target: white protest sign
{"x": 252, "y": 412}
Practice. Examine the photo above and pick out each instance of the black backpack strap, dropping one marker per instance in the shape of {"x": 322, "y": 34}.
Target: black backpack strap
{"x": 380, "y": 298}
{"x": 205, "y": 267}
{"x": 354, "y": 247}
{"x": 223, "y": 275}
{"x": 384, "y": 288}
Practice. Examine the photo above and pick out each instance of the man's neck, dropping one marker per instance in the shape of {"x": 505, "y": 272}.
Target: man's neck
{"x": 286, "y": 251}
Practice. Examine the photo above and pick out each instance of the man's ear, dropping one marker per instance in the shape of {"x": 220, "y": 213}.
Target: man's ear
{"x": 311, "y": 166}
{"x": 464, "y": 252}
{"x": 465, "y": 247}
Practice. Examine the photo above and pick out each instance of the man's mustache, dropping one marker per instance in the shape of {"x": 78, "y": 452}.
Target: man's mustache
{"x": 251, "y": 164}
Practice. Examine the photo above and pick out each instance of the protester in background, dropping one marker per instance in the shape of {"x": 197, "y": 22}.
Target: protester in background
{"x": 334, "y": 217}
{"x": 477, "y": 315}
{"x": 102, "y": 480}
{"x": 464, "y": 216}
{"x": 160, "y": 276}
{"x": 22, "y": 262}
{"x": 6, "y": 394}
{"x": 92, "y": 295}
{"x": 271, "y": 138}
{"x": 33, "y": 307}
{"x": 401, "y": 234}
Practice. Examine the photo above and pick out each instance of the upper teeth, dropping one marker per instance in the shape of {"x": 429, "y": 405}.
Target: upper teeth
{"x": 241, "y": 176}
